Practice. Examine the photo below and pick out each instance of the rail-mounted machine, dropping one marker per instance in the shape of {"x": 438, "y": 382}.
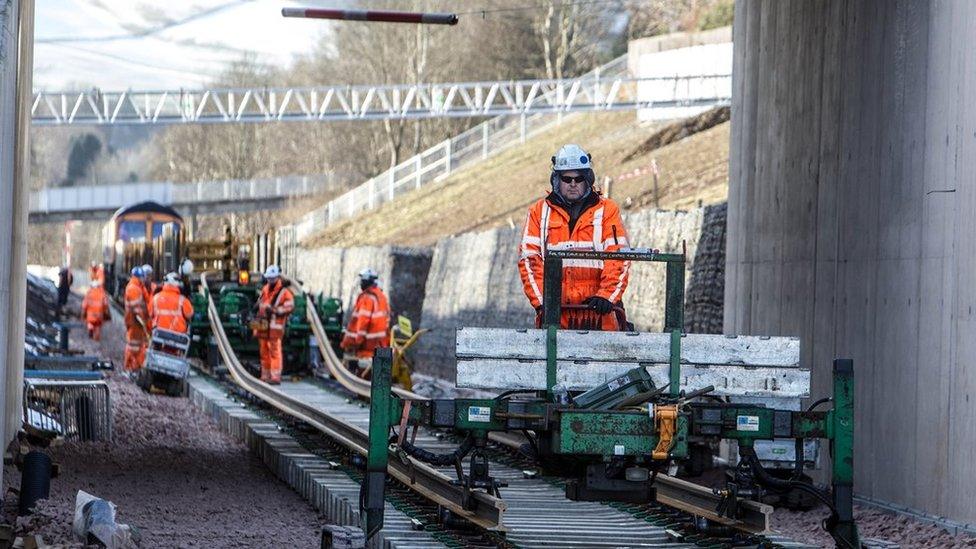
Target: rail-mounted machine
{"x": 624, "y": 407}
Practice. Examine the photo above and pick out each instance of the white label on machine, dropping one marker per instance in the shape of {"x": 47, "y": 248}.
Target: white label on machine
{"x": 747, "y": 423}
{"x": 479, "y": 414}
{"x": 618, "y": 449}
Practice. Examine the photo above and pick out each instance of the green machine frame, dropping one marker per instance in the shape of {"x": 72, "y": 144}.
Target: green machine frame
{"x": 611, "y": 430}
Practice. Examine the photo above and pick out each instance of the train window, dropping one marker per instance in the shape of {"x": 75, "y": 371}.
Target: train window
{"x": 130, "y": 231}
{"x": 157, "y": 229}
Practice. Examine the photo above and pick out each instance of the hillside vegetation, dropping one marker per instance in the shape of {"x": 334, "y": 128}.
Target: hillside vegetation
{"x": 498, "y": 190}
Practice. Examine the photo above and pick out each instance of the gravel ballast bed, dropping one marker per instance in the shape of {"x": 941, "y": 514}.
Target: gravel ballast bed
{"x": 171, "y": 473}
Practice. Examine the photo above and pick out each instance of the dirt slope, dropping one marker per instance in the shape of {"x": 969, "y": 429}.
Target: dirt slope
{"x": 498, "y": 191}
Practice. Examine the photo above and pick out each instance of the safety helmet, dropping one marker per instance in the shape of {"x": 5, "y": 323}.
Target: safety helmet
{"x": 173, "y": 279}
{"x": 368, "y": 274}
{"x": 186, "y": 268}
{"x": 571, "y": 157}
{"x": 147, "y": 269}
{"x": 137, "y": 272}
{"x": 94, "y": 264}
{"x": 272, "y": 272}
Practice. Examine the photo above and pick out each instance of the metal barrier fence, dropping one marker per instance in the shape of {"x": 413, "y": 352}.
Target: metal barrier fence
{"x": 79, "y": 410}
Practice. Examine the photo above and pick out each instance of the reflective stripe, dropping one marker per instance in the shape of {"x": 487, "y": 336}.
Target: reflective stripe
{"x": 375, "y": 335}
{"x": 531, "y": 240}
{"x": 621, "y": 240}
{"x": 544, "y": 226}
{"x": 139, "y": 301}
{"x": 583, "y": 263}
{"x": 620, "y": 282}
{"x": 598, "y": 229}
{"x": 379, "y": 314}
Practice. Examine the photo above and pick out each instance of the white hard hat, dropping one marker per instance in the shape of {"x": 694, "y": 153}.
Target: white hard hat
{"x": 147, "y": 269}
{"x": 172, "y": 278}
{"x": 571, "y": 157}
{"x": 186, "y": 268}
{"x": 272, "y": 272}
{"x": 368, "y": 274}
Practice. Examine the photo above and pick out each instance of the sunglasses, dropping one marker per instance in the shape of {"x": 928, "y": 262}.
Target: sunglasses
{"x": 571, "y": 179}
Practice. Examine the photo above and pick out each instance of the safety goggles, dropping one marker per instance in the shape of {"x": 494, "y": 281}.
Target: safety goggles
{"x": 571, "y": 179}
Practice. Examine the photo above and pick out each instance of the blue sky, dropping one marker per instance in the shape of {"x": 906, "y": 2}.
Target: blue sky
{"x": 136, "y": 44}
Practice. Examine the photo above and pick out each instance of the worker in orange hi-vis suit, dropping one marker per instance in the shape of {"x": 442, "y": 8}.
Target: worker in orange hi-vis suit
{"x": 369, "y": 323}
{"x": 575, "y": 217}
{"x": 171, "y": 310}
{"x": 274, "y": 307}
{"x": 95, "y": 310}
{"x": 138, "y": 323}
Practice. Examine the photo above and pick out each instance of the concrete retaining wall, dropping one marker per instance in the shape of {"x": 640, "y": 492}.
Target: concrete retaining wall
{"x": 852, "y": 223}
{"x": 334, "y": 271}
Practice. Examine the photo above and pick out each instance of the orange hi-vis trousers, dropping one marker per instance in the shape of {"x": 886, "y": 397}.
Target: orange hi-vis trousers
{"x": 271, "y": 359}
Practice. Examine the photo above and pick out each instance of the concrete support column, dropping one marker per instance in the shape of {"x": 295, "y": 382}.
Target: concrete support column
{"x": 852, "y": 222}
{"x": 16, "y": 65}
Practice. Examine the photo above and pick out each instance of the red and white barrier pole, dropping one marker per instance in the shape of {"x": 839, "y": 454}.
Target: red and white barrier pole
{"x": 372, "y": 15}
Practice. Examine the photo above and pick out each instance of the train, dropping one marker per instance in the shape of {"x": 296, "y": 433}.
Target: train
{"x": 137, "y": 223}
{"x": 154, "y": 234}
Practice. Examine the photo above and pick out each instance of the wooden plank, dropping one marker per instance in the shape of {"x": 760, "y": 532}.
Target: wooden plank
{"x": 486, "y": 373}
{"x": 704, "y": 349}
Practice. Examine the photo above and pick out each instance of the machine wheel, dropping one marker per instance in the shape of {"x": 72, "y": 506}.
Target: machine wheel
{"x": 174, "y": 388}
{"x": 213, "y": 356}
{"x": 144, "y": 379}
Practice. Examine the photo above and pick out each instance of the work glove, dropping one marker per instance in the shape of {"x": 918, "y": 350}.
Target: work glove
{"x": 599, "y": 304}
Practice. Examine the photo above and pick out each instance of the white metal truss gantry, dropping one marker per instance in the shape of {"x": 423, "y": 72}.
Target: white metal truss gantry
{"x": 335, "y": 103}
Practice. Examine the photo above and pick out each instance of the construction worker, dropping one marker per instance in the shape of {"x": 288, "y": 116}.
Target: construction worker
{"x": 274, "y": 307}
{"x": 65, "y": 280}
{"x": 170, "y": 309}
{"x": 575, "y": 217}
{"x": 95, "y": 310}
{"x": 138, "y": 323}
{"x": 369, "y": 323}
{"x": 95, "y": 272}
{"x": 151, "y": 287}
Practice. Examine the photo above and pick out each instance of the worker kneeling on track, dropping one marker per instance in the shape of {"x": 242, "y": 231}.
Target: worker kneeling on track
{"x": 575, "y": 217}
{"x": 274, "y": 307}
{"x": 95, "y": 309}
{"x": 138, "y": 322}
{"x": 171, "y": 310}
{"x": 369, "y": 324}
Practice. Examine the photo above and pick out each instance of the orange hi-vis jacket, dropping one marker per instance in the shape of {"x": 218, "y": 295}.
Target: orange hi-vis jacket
{"x": 137, "y": 305}
{"x": 94, "y": 308}
{"x": 276, "y": 304}
{"x": 171, "y": 310}
{"x": 598, "y": 228}
{"x": 369, "y": 324}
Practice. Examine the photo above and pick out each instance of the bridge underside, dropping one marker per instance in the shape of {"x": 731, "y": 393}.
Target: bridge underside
{"x": 185, "y": 209}
{"x": 852, "y": 222}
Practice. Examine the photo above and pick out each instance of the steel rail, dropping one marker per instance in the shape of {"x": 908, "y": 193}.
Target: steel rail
{"x": 487, "y": 511}
{"x": 674, "y": 492}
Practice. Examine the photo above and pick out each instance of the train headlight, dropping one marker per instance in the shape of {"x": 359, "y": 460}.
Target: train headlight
{"x": 243, "y": 277}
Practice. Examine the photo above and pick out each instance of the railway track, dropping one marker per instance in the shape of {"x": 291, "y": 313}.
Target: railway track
{"x": 534, "y": 511}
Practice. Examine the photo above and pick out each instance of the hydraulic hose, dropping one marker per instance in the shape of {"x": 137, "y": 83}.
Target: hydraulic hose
{"x": 435, "y": 459}
{"x": 765, "y": 479}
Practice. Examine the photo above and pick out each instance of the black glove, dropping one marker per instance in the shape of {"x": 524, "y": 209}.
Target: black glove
{"x": 600, "y": 305}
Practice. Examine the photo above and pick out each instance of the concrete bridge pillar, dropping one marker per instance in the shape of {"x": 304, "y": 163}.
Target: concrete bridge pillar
{"x": 852, "y": 222}
{"x": 16, "y": 62}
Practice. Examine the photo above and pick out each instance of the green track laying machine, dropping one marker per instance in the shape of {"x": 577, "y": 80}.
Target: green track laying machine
{"x": 237, "y": 304}
{"x": 623, "y": 407}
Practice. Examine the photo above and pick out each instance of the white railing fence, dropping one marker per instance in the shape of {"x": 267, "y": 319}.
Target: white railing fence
{"x": 477, "y": 143}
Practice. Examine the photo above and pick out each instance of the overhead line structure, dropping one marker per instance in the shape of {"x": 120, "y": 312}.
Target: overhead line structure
{"x": 412, "y": 101}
